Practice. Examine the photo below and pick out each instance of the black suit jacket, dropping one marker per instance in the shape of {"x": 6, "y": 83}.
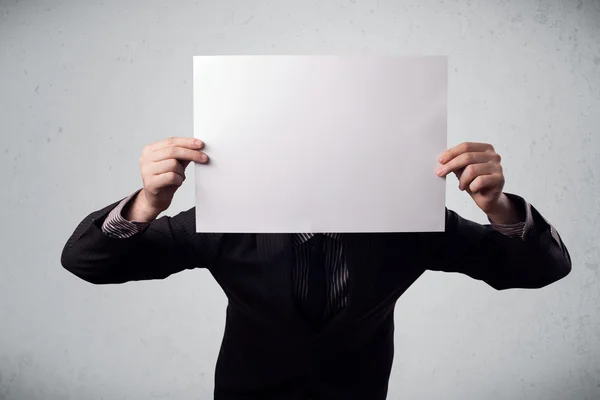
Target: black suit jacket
{"x": 268, "y": 350}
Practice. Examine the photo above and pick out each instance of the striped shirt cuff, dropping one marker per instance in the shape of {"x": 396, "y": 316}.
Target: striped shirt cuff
{"x": 116, "y": 226}
{"x": 521, "y": 229}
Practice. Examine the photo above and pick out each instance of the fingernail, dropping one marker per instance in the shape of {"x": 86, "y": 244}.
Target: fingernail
{"x": 439, "y": 170}
{"x": 203, "y": 157}
{"x": 198, "y": 142}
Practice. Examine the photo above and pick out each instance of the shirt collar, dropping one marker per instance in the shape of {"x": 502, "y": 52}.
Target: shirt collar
{"x": 300, "y": 238}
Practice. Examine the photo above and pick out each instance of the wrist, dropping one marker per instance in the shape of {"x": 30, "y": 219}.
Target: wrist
{"x": 504, "y": 212}
{"x": 139, "y": 209}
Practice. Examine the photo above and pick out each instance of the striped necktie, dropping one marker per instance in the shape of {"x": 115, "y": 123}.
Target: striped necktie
{"x": 316, "y": 299}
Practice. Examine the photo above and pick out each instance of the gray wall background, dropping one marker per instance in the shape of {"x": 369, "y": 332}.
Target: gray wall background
{"x": 84, "y": 85}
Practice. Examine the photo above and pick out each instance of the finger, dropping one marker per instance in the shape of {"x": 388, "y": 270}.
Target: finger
{"x": 472, "y": 171}
{"x": 178, "y": 153}
{"x": 486, "y": 181}
{"x": 466, "y": 147}
{"x": 160, "y": 167}
{"x": 205, "y": 160}
{"x": 462, "y": 161}
{"x": 190, "y": 143}
{"x": 167, "y": 179}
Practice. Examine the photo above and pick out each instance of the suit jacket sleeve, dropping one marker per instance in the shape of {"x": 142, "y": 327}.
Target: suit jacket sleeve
{"x": 535, "y": 260}
{"x": 163, "y": 247}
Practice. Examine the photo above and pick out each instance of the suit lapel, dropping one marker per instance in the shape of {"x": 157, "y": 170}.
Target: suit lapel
{"x": 276, "y": 253}
{"x": 364, "y": 256}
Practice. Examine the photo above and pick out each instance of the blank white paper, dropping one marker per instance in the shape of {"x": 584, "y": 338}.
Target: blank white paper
{"x": 320, "y": 143}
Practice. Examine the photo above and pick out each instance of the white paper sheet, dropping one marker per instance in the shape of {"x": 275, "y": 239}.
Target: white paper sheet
{"x": 320, "y": 143}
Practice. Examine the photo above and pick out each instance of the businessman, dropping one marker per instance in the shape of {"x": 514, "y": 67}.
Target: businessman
{"x": 311, "y": 316}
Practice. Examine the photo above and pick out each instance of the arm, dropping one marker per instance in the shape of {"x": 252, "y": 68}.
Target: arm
{"x": 108, "y": 247}
{"x": 534, "y": 260}
{"x": 104, "y": 248}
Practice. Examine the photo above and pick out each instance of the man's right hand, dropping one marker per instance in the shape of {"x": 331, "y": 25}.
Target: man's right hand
{"x": 163, "y": 171}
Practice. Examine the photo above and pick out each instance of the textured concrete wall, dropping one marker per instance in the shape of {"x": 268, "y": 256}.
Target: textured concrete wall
{"x": 85, "y": 84}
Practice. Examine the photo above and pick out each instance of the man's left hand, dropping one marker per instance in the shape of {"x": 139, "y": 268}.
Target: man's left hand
{"x": 479, "y": 171}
